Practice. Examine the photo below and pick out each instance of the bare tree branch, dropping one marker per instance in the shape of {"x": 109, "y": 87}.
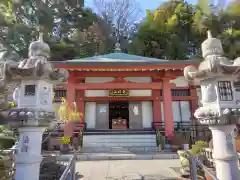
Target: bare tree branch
{"x": 121, "y": 15}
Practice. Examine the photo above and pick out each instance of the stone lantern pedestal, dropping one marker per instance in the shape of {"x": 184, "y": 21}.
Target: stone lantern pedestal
{"x": 225, "y": 152}
{"x": 34, "y": 111}
{"x": 28, "y": 164}
{"x": 220, "y": 108}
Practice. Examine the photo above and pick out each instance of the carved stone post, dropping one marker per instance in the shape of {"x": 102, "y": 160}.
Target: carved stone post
{"x": 35, "y": 111}
{"x": 220, "y": 110}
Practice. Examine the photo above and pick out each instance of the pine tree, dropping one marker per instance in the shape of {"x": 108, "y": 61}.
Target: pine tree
{"x": 21, "y": 21}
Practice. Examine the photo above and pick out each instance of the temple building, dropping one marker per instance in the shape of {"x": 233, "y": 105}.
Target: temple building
{"x": 143, "y": 91}
{"x": 119, "y": 91}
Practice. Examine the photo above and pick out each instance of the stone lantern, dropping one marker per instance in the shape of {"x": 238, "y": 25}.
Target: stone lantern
{"x": 34, "y": 98}
{"x": 220, "y": 109}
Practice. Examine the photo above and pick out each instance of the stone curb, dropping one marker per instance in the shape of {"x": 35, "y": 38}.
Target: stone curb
{"x": 102, "y": 157}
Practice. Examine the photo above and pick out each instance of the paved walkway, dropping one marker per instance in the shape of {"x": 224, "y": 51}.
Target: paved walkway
{"x": 127, "y": 170}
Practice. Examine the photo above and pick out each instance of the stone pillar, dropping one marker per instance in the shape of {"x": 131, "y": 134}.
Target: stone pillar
{"x": 157, "y": 118}
{"x": 225, "y": 155}
{"x": 29, "y": 156}
{"x": 168, "y": 113}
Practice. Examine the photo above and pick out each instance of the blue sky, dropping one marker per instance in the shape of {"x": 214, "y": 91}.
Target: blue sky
{"x": 145, "y": 4}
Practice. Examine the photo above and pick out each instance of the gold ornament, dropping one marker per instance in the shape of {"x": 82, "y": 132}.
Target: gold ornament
{"x": 65, "y": 140}
{"x": 67, "y": 113}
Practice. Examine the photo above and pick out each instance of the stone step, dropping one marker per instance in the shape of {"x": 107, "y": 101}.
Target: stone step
{"x": 118, "y": 144}
{"x": 117, "y": 156}
{"x": 120, "y": 140}
{"x": 120, "y": 149}
{"x": 120, "y": 132}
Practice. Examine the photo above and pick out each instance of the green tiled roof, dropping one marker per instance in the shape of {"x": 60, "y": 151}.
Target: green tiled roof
{"x": 116, "y": 57}
{"x": 121, "y": 59}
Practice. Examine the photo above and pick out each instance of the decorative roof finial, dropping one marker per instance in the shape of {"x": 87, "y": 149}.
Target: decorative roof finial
{"x": 209, "y": 34}
{"x": 39, "y": 47}
{"x": 211, "y": 46}
{"x": 40, "y": 38}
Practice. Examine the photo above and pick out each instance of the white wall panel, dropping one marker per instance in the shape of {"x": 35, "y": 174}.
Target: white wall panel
{"x": 139, "y": 79}
{"x": 147, "y": 114}
{"x": 90, "y": 114}
{"x": 180, "y": 82}
{"x": 98, "y": 79}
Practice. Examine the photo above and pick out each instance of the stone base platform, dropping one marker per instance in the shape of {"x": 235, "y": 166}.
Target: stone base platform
{"x": 115, "y": 156}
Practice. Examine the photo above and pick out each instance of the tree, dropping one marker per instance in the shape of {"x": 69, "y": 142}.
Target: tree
{"x": 20, "y": 23}
{"x": 119, "y": 19}
{"x": 224, "y": 22}
{"x": 166, "y": 31}
{"x": 176, "y": 29}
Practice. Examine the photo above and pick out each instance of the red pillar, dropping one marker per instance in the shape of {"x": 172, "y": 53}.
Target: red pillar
{"x": 157, "y": 118}
{"x": 168, "y": 113}
{"x": 81, "y": 106}
{"x": 68, "y": 128}
{"x": 194, "y": 101}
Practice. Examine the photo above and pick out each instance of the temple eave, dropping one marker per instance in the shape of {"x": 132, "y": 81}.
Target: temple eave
{"x": 122, "y": 69}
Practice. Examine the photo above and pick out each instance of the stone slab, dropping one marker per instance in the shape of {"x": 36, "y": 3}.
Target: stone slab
{"x": 118, "y": 156}
{"x": 127, "y": 170}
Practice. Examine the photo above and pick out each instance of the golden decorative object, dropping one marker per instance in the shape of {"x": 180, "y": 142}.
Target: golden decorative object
{"x": 65, "y": 140}
{"x": 12, "y": 104}
{"x": 67, "y": 113}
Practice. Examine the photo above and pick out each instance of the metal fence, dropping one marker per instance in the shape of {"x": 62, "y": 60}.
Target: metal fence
{"x": 196, "y": 166}
{"x": 191, "y": 130}
{"x": 54, "y": 167}
{"x": 69, "y": 172}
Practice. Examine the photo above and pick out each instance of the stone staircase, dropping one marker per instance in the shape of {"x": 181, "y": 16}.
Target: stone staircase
{"x": 119, "y": 141}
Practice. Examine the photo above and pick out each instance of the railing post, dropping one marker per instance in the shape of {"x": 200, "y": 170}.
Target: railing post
{"x": 73, "y": 168}
{"x": 193, "y": 167}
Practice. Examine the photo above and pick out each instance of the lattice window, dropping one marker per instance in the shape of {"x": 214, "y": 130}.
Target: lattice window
{"x": 30, "y": 90}
{"x": 180, "y": 92}
{"x": 225, "y": 90}
{"x": 60, "y": 93}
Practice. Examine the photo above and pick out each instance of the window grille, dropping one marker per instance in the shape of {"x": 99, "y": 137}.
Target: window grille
{"x": 160, "y": 92}
{"x": 225, "y": 90}
{"x": 30, "y": 90}
{"x": 60, "y": 93}
{"x": 180, "y": 92}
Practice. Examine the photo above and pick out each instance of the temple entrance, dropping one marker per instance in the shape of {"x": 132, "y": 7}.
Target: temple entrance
{"x": 119, "y": 115}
